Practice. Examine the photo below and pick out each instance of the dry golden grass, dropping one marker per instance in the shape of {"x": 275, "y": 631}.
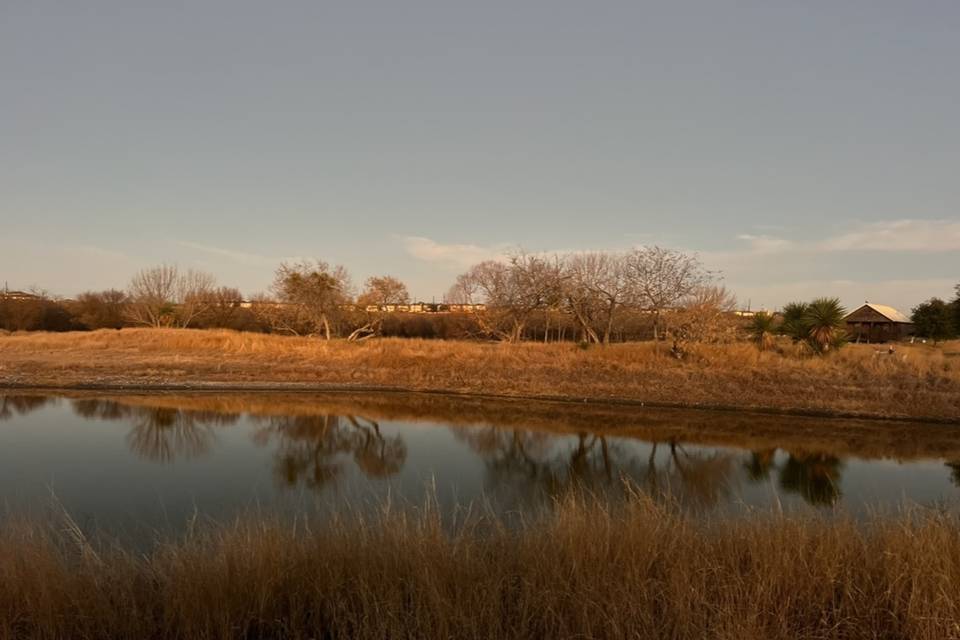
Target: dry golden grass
{"x": 639, "y": 570}
{"x": 918, "y": 381}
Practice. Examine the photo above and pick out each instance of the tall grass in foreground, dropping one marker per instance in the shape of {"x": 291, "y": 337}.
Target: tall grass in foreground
{"x": 639, "y": 570}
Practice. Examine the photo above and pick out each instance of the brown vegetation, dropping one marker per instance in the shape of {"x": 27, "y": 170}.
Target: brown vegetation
{"x": 586, "y": 297}
{"x": 914, "y": 382}
{"x": 584, "y": 570}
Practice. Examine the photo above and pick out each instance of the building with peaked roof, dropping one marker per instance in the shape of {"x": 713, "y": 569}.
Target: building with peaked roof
{"x": 17, "y": 295}
{"x": 878, "y": 323}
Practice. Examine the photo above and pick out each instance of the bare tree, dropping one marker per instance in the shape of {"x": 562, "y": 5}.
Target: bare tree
{"x": 222, "y": 307}
{"x": 491, "y": 281}
{"x": 280, "y": 317}
{"x": 596, "y": 288}
{"x": 706, "y": 316}
{"x": 35, "y": 313}
{"x": 464, "y": 290}
{"x": 163, "y": 296}
{"x": 195, "y": 296}
{"x": 101, "y": 309}
{"x": 513, "y": 291}
{"x": 660, "y": 278}
{"x": 383, "y": 290}
{"x": 315, "y": 293}
{"x": 601, "y": 292}
{"x": 152, "y": 296}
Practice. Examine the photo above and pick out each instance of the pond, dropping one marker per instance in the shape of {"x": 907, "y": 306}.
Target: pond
{"x": 153, "y": 461}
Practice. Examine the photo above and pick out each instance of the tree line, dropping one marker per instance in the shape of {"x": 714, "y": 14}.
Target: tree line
{"x": 587, "y": 297}
{"x": 594, "y": 289}
{"x": 591, "y": 297}
{"x": 937, "y": 319}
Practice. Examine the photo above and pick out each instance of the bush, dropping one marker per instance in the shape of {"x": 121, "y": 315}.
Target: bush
{"x": 819, "y": 325}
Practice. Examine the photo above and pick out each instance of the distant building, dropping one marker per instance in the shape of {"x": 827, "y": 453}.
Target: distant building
{"x": 17, "y": 295}
{"x": 877, "y": 323}
{"x": 424, "y": 307}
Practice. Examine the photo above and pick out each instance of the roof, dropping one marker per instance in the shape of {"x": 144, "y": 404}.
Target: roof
{"x": 889, "y": 313}
{"x": 17, "y": 294}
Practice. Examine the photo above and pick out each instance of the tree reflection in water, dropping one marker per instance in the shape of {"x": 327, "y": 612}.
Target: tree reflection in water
{"x": 524, "y": 466}
{"x": 954, "y": 466}
{"x": 759, "y": 465}
{"x": 695, "y": 477}
{"x": 311, "y": 448}
{"x": 814, "y": 476}
{"x": 21, "y": 405}
{"x": 520, "y": 465}
{"x": 160, "y": 434}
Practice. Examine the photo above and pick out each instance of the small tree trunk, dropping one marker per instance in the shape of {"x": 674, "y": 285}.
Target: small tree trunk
{"x": 656, "y": 333}
{"x": 517, "y": 333}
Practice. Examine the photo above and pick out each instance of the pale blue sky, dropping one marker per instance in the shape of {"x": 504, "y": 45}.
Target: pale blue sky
{"x": 804, "y": 148}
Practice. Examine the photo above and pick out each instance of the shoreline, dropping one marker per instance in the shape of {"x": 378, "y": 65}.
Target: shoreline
{"x": 918, "y": 384}
{"x": 306, "y": 388}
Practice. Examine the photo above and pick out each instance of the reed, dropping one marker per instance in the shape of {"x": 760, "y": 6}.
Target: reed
{"x": 918, "y": 381}
{"x": 584, "y": 570}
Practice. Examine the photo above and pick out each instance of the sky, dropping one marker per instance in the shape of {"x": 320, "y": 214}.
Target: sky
{"x": 800, "y": 148}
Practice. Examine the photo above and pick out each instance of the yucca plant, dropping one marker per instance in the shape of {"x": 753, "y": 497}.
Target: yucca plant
{"x": 825, "y": 325}
{"x": 762, "y": 329}
{"x": 794, "y": 321}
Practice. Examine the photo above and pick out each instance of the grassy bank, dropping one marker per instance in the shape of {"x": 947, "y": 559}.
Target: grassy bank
{"x": 585, "y": 571}
{"x": 916, "y": 382}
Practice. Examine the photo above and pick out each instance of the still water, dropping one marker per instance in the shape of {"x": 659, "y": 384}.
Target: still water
{"x": 154, "y": 461}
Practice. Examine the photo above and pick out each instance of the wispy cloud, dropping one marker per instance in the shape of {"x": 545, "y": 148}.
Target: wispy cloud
{"x": 770, "y": 269}
{"x": 237, "y": 256}
{"x": 99, "y": 253}
{"x": 901, "y": 293}
{"x": 765, "y": 243}
{"x": 927, "y": 236}
{"x": 898, "y": 235}
{"x": 461, "y": 255}
{"x": 771, "y": 266}
{"x": 465, "y": 255}
{"x": 920, "y": 236}
{"x": 889, "y": 235}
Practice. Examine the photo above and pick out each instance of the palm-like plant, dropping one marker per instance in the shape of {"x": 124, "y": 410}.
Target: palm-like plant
{"x": 825, "y": 325}
{"x": 794, "y": 321}
{"x": 761, "y": 330}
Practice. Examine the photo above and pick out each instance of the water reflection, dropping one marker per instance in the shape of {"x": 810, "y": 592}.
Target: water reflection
{"x": 516, "y": 454}
{"x": 539, "y": 465}
{"x": 954, "y": 467}
{"x": 311, "y": 449}
{"x": 525, "y": 465}
{"x": 14, "y": 405}
{"x": 815, "y": 476}
{"x": 702, "y": 477}
{"x": 160, "y": 434}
